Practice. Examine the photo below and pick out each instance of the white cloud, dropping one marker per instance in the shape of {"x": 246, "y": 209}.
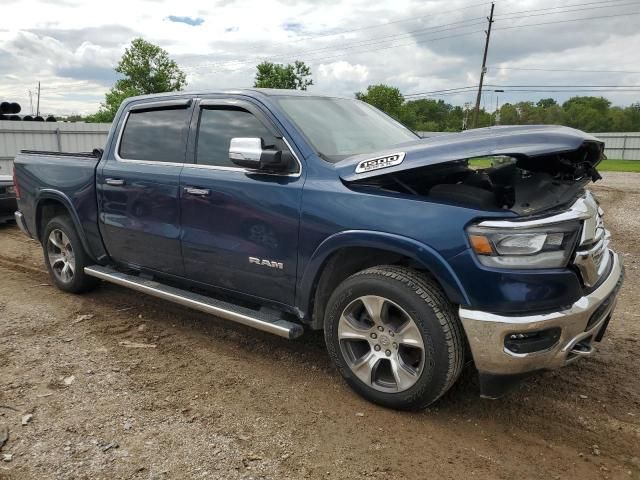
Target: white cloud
{"x": 343, "y": 71}
{"x": 71, "y": 46}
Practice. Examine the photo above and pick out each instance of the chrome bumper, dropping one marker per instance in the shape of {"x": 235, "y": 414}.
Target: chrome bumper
{"x": 21, "y": 223}
{"x": 486, "y": 332}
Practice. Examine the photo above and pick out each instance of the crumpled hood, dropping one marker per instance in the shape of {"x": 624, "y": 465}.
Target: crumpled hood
{"x": 521, "y": 140}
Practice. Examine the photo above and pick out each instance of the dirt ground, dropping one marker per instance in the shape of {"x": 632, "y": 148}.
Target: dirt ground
{"x": 216, "y": 400}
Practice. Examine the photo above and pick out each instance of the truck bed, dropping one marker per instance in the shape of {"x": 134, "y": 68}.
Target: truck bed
{"x": 68, "y": 178}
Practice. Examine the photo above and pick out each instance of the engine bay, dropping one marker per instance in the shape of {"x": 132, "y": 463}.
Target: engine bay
{"x": 524, "y": 185}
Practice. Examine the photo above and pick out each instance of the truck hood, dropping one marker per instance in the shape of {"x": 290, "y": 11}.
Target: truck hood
{"x": 516, "y": 141}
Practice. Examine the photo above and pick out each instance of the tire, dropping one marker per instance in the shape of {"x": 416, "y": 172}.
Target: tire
{"x": 61, "y": 246}
{"x": 418, "y": 350}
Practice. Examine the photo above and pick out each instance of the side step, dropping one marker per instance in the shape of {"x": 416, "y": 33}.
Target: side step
{"x": 257, "y": 319}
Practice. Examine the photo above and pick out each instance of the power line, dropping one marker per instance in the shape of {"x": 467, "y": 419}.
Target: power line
{"x": 438, "y": 91}
{"x": 337, "y": 55}
{"x": 297, "y": 54}
{"x": 498, "y": 67}
{"x": 360, "y": 43}
{"x": 381, "y": 25}
{"x": 366, "y": 42}
{"x": 568, "y": 11}
{"x": 563, "y": 86}
{"x": 623, "y": 90}
{"x": 467, "y": 89}
{"x": 608, "y": 3}
{"x": 393, "y": 22}
{"x": 628, "y": 14}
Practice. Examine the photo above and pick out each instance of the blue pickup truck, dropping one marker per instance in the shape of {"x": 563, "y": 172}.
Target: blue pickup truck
{"x": 282, "y": 210}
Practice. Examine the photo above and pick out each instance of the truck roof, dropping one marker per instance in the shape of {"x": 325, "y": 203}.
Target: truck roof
{"x": 251, "y": 92}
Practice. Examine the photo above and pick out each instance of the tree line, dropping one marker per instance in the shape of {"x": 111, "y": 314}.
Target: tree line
{"x": 588, "y": 113}
{"x": 146, "y": 68}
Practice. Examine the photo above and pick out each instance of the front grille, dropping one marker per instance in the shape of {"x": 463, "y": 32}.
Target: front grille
{"x": 591, "y": 257}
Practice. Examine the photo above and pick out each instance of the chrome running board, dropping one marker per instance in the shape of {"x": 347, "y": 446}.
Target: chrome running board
{"x": 261, "y": 320}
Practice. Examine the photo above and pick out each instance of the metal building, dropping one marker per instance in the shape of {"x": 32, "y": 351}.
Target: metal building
{"x": 58, "y": 136}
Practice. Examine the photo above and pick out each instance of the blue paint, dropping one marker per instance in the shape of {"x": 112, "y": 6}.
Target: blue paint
{"x": 149, "y": 223}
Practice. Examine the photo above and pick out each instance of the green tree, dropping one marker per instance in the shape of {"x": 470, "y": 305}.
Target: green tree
{"x": 587, "y": 113}
{"x": 591, "y": 114}
{"x": 146, "y": 68}
{"x": 384, "y": 97}
{"x": 291, "y": 77}
{"x": 509, "y": 115}
{"x": 546, "y": 103}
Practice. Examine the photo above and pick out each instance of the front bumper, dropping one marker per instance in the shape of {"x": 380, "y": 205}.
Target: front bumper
{"x": 579, "y": 325}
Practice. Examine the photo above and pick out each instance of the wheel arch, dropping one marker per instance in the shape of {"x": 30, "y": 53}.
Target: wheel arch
{"x": 348, "y": 252}
{"x": 51, "y": 204}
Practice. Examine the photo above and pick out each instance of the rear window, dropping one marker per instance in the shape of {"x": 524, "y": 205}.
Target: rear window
{"x": 155, "y": 135}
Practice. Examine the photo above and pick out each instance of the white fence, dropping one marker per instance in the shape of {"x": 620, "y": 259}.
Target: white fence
{"x": 54, "y": 136}
{"x": 621, "y": 146}
{"x": 617, "y": 145}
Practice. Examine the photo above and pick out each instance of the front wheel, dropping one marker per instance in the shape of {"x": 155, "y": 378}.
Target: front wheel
{"x": 394, "y": 337}
{"x": 65, "y": 257}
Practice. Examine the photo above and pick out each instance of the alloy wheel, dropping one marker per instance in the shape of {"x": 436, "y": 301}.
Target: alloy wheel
{"x": 381, "y": 344}
{"x": 61, "y": 256}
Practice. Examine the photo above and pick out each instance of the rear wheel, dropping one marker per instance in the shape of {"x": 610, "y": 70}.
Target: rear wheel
{"x": 394, "y": 337}
{"x": 65, "y": 257}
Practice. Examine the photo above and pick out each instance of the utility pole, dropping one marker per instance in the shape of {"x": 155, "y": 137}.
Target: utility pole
{"x": 30, "y": 102}
{"x": 476, "y": 112}
{"x": 497, "y": 115}
{"x": 38, "y": 103}
{"x": 465, "y": 116}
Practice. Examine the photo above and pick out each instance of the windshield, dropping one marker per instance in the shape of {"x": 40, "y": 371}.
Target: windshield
{"x": 338, "y": 127}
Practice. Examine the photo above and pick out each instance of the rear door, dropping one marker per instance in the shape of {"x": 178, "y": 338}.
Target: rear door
{"x": 239, "y": 228}
{"x": 139, "y": 187}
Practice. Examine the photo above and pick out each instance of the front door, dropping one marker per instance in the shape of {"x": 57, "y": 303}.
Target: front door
{"x": 139, "y": 187}
{"x": 239, "y": 228}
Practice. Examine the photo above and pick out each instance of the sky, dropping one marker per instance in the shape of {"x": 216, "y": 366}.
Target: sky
{"x": 72, "y": 46}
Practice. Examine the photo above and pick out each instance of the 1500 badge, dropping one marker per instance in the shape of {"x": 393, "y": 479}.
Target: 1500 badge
{"x": 380, "y": 162}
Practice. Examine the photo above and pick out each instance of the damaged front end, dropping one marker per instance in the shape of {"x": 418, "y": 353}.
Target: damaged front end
{"x": 533, "y": 168}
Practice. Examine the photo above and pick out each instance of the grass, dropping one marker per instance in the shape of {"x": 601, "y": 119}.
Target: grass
{"x": 605, "y": 165}
{"x": 619, "y": 166}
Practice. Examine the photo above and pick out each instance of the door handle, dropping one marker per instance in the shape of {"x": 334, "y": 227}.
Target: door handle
{"x": 114, "y": 181}
{"x": 201, "y": 192}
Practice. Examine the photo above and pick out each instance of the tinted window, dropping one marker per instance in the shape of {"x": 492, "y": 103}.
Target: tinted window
{"x": 157, "y": 135}
{"x": 218, "y": 126}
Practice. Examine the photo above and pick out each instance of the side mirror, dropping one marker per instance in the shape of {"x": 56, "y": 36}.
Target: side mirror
{"x": 250, "y": 153}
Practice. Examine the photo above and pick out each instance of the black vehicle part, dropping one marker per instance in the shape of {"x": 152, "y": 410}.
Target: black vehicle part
{"x": 493, "y": 386}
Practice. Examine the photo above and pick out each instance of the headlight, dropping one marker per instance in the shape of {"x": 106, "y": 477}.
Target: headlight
{"x": 11, "y": 189}
{"x": 528, "y": 248}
